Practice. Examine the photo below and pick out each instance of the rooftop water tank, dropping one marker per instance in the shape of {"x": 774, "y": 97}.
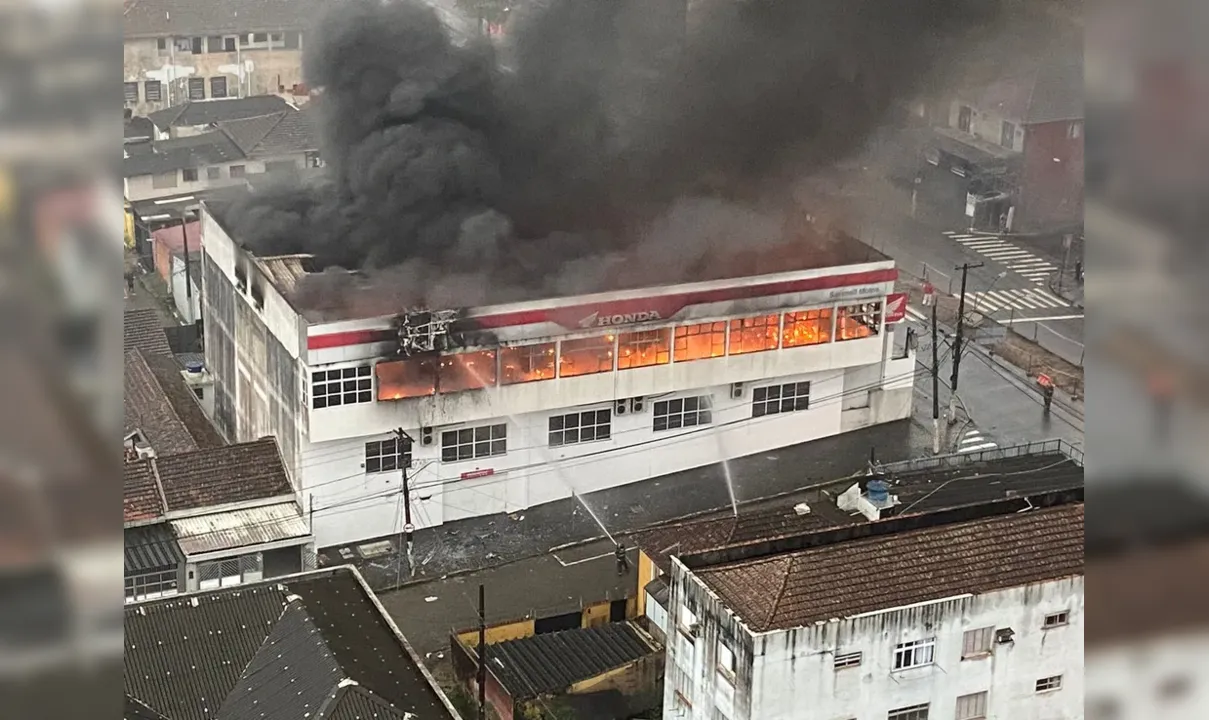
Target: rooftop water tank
{"x": 879, "y": 492}
{"x": 195, "y": 367}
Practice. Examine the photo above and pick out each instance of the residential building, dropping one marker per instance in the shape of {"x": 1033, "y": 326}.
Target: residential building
{"x": 313, "y": 645}
{"x": 531, "y": 401}
{"x": 193, "y": 117}
{"x": 974, "y": 612}
{"x": 176, "y": 51}
{"x": 210, "y": 518}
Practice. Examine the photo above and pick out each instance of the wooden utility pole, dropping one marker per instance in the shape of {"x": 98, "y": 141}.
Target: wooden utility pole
{"x": 482, "y": 653}
{"x": 965, "y": 269}
{"x": 935, "y": 388}
{"x": 188, "y": 262}
{"x": 403, "y": 449}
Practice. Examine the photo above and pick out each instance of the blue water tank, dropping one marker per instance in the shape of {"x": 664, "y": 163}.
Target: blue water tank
{"x": 879, "y": 492}
{"x": 195, "y": 367}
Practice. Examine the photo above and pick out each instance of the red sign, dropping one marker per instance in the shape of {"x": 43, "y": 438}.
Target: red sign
{"x": 477, "y": 474}
{"x": 896, "y": 308}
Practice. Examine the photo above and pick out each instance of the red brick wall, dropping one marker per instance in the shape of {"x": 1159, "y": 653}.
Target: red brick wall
{"x": 1051, "y": 178}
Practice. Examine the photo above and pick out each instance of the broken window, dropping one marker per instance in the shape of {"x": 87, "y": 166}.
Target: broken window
{"x": 697, "y": 342}
{"x": 526, "y": 363}
{"x": 586, "y": 356}
{"x": 807, "y": 327}
{"x": 754, "y": 334}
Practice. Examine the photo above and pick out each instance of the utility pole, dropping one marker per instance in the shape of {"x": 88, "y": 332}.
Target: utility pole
{"x": 965, "y": 269}
{"x": 404, "y": 450}
{"x": 1067, "y": 240}
{"x": 188, "y": 271}
{"x": 935, "y": 388}
{"x": 482, "y": 653}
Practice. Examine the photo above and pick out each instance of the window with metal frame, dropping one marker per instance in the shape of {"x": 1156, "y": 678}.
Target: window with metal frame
{"x": 218, "y": 87}
{"x": 197, "y": 88}
{"x": 754, "y": 334}
{"x": 726, "y": 660}
{"x": 643, "y": 348}
{"x": 1046, "y": 684}
{"x": 152, "y": 585}
{"x": 977, "y": 642}
{"x": 580, "y": 427}
{"x": 387, "y": 455}
{"x": 130, "y": 91}
{"x": 1057, "y": 619}
{"x": 847, "y": 660}
{"x": 342, "y": 386}
{"x": 683, "y": 412}
{"x": 858, "y": 321}
{"x": 774, "y": 399}
{"x": 699, "y": 342}
{"x": 913, "y": 654}
{"x": 972, "y": 706}
{"x": 153, "y": 90}
{"x": 230, "y": 571}
{"x": 806, "y": 327}
{"x": 473, "y": 443}
{"x": 912, "y": 712}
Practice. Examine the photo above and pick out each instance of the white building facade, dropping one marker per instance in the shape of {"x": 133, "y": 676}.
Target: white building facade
{"x": 545, "y": 398}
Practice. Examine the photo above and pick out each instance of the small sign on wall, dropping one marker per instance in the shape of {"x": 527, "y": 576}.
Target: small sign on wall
{"x": 474, "y": 474}
{"x": 896, "y": 307}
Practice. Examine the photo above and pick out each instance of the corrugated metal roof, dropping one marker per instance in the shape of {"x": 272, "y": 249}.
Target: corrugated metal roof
{"x": 151, "y": 548}
{"x": 240, "y": 528}
{"x": 284, "y": 270}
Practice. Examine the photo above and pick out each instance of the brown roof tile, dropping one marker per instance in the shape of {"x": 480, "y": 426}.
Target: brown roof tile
{"x": 849, "y": 578}
{"x": 143, "y": 330}
{"x": 1148, "y": 592}
{"x": 159, "y": 403}
{"x": 229, "y": 474}
{"x": 140, "y": 496}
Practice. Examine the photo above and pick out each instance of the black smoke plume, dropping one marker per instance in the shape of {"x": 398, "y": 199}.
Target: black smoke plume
{"x": 586, "y": 137}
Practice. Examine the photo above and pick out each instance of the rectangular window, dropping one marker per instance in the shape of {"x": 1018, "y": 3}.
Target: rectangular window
{"x": 196, "y": 45}
{"x": 643, "y": 348}
{"x": 698, "y": 342}
{"x": 807, "y": 327}
{"x": 466, "y": 371}
{"x": 1007, "y": 134}
{"x": 189, "y": 174}
{"x": 213, "y": 173}
{"x": 1049, "y": 683}
{"x": 965, "y": 115}
{"x": 971, "y": 707}
{"x": 218, "y": 87}
{"x": 686, "y": 619}
{"x": 399, "y": 379}
{"x": 859, "y": 321}
{"x": 473, "y": 443}
{"x": 343, "y": 386}
{"x": 586, "y": 357}
{"x": 131, "y": 92}
{"x": 847, "y": 660}
{"x": 914, "y": 712}
{"x": 387, "y": 455}
{"x": 197, "y": 88}
{"x": 726, "y": 659}
{"x": 151, "y": 586}
{"x": 756, "y": 334}
{"x": 161, "y": 44}
{"x": 916, "y": 653}
{"x": 260, "y": 37}
{"x": 527, "y": 363}
{"x": 780, "y": 399}
{"x": 1057, "y": 619}
{"x": 683, "y": 412}
{"x": 153, "y": 91}
{"x": 165, "y": 180}
{"x": 1074, "y": 131}
{"x": 228, "y": 43}
{"x": 238, "y": 171}
{"x": 230, "y": 571}
{"x": 580, "y": 427}
{"x": 214, "y": 44}
{"x": 976, "y": 642}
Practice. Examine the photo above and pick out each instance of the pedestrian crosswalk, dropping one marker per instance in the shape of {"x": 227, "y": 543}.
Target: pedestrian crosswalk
{"x": 1012, "y": 256}
{"x": 973, "y": 440}
{"x": 1024, "y": 300}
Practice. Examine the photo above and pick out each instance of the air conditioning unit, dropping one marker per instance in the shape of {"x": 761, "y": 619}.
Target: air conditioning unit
{"x": 426, "y": 435}
{"x": 620, "y": 407}
{"x": 636, "y": 404}
{"x": 736, "y": 390}
{"x": 1004, "y": 636}
{"x": 144, "y": 451}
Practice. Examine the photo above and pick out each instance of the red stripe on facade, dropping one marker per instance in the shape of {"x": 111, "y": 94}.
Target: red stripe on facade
{"x": 586, "y": 315}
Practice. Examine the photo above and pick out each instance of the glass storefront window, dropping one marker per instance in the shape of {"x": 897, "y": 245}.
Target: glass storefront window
{"x": 399, "y": 379}
{"x": 466, "y": 371}
{"x": 755, "y": 334}
{"x": 858, "y": 321}
{"x": 586, "y": 356}
{"x": 807, "y": 327}
{"x": 643, "y": 348}
{"x": 697, "y": 342}
{"x": 526, "y": 363}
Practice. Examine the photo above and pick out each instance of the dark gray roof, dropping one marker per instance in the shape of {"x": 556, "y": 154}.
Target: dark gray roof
{"x": 160, "y": 18}
{"x": 143, "y": 330}
{"x": 193, "y": 113}
{"x": 278, "y": 649}
{"x": 195, "y": 151}
{"x": 136, "y": 710}
{"x": 138, "y": 127}
{"x": 281, "y": 133}
{"x": 1057, "y": 93}
{"x": 552, "y": 662}
{"x": 151, "y": 548}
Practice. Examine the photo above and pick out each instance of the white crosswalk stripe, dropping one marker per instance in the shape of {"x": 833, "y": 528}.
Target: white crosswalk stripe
{"x": 1010, "y": 255}
{"x": 917, "y": 315}
{"x": 974, "y": 441}
{"x": 1025, "y": 299}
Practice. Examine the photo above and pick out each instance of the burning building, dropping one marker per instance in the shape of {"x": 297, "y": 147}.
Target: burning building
{"x": 505, "y": 405}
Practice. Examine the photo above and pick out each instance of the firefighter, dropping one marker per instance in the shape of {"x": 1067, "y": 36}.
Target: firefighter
{"x": 1048, "y": 396}
{"x": 623, "y": 563}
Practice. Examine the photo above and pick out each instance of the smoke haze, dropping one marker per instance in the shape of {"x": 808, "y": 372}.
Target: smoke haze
{"x": 590, "y": 142}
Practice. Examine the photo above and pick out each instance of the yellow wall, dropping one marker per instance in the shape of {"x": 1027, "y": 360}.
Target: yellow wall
{"x": 498, "y": 633}
{"x": 589, "y": 685}
{"x": 597, "y": 614}
{"x": 646, "y": 570}
{"x": 129, "y": 227}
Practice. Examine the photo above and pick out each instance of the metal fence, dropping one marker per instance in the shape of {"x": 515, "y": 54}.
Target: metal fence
{"x": 955, "y": 460}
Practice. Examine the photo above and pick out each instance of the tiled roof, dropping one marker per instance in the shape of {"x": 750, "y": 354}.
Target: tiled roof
{"x": 161, "y": 18}
{"x": 553, "y": 662}
{"x": 221, "y": 475}
{"x": 281, "y": 133}
{"x": 143, "y": 330}
{"x": 792, "y": 589}
{"x": 194, "y": 151}
{"x": 279, "y": 650}
{"x": 141, "y": 498}
{"x": 193, "y": 113}
{"x": 159, "y": 404}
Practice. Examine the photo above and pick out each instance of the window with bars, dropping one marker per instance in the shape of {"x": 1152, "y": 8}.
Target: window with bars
{"x": 847, "y": 660}
{"x": 197, "y": 88}
{"x": 912, "y": 712}
{"x": 977, "y": 642}
{"x": 230, "y": 571}
{"x": 698, "y": 342}
{"x": 152, "y": 585}
{"x": 972, "y": 706}
{"x": 218, "y": 87}
{"x": 387, "y": 455}
{"x": 683, "y": 412}
{"x": 130, "y": 91}
{"x": 913, "y": 654}
{"x": 342, "y": 386}
{"x": 580, "y": 427}
{"x": 473, "y": 443}
{"x": 858, "y": 321}
{"x": 780, "y": 399}
{"x": 153, "y": 91}
{"x": 1046, "y": 684}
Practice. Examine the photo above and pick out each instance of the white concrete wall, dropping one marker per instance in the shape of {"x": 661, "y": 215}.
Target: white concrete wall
{"x": 987, "y": 125}
{"x": 141, "y": 187}
{"x": 188, "y": 302}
